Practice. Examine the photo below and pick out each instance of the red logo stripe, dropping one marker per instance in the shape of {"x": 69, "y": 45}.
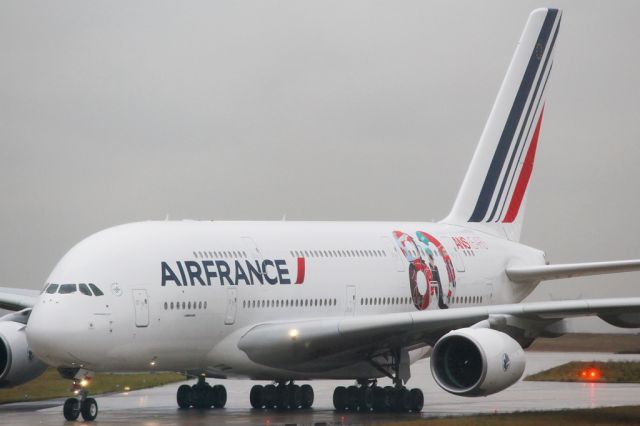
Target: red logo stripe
{"x": 525, "y": 174}
{"x": 300, "y": 277}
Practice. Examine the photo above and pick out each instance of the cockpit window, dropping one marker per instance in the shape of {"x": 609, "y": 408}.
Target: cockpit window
{"x": 52, "y": 288}
{"x": 67, "y": 288}
{"x": 84, "y": 289}
{"x": 96, "y": 290}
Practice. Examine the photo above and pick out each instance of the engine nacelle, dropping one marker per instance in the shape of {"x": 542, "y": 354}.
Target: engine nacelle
{"x": 18, "y": 364}
{"x": 476, "y": 361}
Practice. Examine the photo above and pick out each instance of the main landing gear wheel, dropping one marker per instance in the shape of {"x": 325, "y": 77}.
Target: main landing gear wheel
{"x": 366, "y": 398}
{"x": 282, "y": 397}
{"x": 201, "y": 395}
{"x": 183, "y": 396}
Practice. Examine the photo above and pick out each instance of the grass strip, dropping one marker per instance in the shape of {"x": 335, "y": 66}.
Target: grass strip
{"x": 51, "y": 385}
{"x": 595, "y": 371}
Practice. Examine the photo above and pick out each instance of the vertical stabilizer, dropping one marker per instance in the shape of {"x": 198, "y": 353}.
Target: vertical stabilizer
{"x": 493, "y": 194}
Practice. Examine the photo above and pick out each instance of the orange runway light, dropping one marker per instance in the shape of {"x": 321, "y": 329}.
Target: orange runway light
{"x": 590, "y": 374}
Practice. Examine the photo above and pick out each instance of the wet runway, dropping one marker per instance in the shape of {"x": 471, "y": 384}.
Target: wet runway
{"x": 157, "y": 406}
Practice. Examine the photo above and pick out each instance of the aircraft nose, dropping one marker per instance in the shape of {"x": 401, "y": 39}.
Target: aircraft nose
{"x": 54, "y": 333}
{"x": 43, "y": 332}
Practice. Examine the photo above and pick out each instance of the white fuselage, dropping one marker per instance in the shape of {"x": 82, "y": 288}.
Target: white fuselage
{"x": 179, "y": 295}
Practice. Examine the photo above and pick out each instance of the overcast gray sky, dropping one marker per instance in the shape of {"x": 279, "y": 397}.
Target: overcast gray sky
{"x": 113, "y": 112}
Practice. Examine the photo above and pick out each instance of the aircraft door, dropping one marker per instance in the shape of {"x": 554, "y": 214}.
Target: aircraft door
{"x": 141, "y": 307}
{"x": 489, "y": 292}
{"x": 350, "y": 306}
{"x": 232, "y": 306}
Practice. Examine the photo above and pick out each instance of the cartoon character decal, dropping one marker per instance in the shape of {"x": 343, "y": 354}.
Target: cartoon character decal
{"x": 426, "y": 267}
{"x": 416, "y": 266}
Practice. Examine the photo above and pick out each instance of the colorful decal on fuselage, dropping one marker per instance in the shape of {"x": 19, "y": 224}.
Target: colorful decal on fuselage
{"x": 425, "y": 280}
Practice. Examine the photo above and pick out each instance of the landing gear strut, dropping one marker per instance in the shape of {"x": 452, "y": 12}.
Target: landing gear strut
{"x": 367, "y": 395}
{"x": 281, "y": 396}
{"x": 201, "y": 395}
{"x": 73, "y": 407}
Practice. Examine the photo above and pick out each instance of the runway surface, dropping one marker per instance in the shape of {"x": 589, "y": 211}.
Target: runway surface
{"x": 157, "y": 406}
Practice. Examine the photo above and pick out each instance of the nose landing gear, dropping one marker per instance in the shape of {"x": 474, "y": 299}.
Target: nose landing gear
{"x": 74, "y": 407}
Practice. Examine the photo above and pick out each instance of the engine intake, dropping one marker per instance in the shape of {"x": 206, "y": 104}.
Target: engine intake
{"x": 18, "y": 364}
{"x": 476, "y": 362}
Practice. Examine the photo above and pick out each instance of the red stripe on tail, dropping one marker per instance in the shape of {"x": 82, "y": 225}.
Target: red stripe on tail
{"x": 525, "y": 174}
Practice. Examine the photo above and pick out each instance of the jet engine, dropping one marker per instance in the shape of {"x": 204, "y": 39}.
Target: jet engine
{"x": 18, "y": 364}
{"x": 476, "y": 361}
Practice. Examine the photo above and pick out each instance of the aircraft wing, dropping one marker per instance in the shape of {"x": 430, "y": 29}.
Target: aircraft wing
{"x": 16, "y": 299}
{"x": 309, "y": 345}
{"x": 527, "y": 274}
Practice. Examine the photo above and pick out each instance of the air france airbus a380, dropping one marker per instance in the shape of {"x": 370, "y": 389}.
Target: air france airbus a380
{"x": 297, "y": 301}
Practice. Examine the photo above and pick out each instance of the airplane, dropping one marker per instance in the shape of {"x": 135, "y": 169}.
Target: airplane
{"x": 300, "y": 301}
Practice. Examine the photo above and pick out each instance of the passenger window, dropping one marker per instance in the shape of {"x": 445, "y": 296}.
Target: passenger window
{"x": 96, "y": 290}
{"x": 52, "y": 288}
{"x": 84, "y": 289}
{"x": 67, "y": 289}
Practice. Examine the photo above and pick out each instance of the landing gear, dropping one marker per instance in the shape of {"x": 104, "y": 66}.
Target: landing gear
{"x": 201, "y": 395}
{"x": 369, "y": 396}
{"x": 73, "y": 407}
{"x": 283, "y": 396}
{"x": 365, "y": 398}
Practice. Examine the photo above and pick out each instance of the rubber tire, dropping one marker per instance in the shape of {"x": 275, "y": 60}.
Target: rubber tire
{"x": 184, "y": 396}
{"x": 209, "y": 396}
{"x": 307, "y": 396}
{"x": 340, "y": 398}
{"x": 295, "y": 397}
{"x": 390, "y": 398}
{"x": 270, "y": 396}
{"x": 282, "y": 401}
{"x": 71, "y": 409}
{"x": 416, "y": 398}
{"x": 89, "y": 409}
{"x": 353, "y": 397}
{"x": 379, "y": 399}
{"x": 198, "y": 397}
{"x": 365, "y": 399}
{"x": 256, "y": 397}
{"x": 219, "y": 396}
{"x": 402, "y": 400}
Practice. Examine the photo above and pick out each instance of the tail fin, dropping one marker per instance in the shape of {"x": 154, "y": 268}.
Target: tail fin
{"x": 493, "y": 194}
